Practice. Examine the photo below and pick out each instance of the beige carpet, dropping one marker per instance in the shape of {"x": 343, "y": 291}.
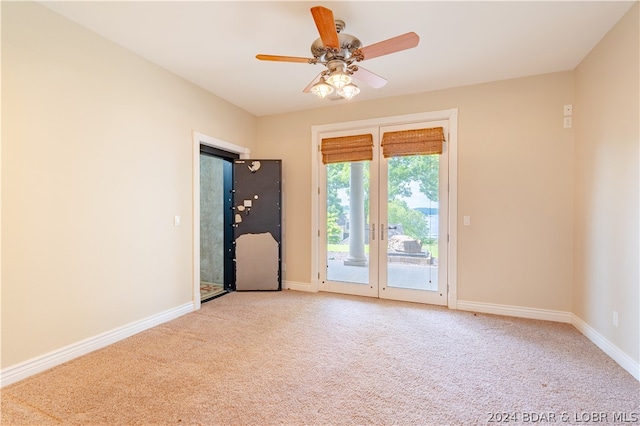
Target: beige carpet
{"x": 271, "y": 358}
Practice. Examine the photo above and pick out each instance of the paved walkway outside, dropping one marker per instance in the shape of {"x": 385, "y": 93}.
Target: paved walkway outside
{"x": 419, "y": 277}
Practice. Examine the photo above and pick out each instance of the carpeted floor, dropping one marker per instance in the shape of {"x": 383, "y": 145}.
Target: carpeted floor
{"x": 293, "y": 358}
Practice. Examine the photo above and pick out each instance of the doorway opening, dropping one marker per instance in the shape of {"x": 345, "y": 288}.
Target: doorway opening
{"x": 199, "y": 140}
{"x": 386, "y": 206}
{"x": 217, "y": 273}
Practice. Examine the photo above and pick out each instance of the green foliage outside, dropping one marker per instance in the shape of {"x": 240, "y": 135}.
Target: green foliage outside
{"x": 423, "y": 169}
{"x": 402, "y": 171}
{"x": 334, "y": 232}
{"x": 414, "y": 223}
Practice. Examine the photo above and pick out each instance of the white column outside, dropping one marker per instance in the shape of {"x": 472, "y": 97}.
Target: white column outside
{"x": 356, "y": 216}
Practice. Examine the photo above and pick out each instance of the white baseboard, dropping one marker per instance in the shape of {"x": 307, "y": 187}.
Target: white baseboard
{"x": 44, "y": 362}
{"x": 624, "y": 360}
{"x": 294, "y": 285}
{"x": 607, "y": 347}
{"x": 515, "y": 311}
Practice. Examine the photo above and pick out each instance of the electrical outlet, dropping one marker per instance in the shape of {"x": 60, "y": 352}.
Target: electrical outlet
{"x": 615, "y": 318}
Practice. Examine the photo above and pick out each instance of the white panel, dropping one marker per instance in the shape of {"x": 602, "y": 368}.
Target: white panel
{"x": 257, "y": 262}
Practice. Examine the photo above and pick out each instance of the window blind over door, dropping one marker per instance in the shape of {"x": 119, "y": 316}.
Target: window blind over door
{"x": 347, "y": 148}
{"x": 413, "y": 142}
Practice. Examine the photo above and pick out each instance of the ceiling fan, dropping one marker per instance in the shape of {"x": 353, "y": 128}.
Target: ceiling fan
{"x": 339, "y": 52}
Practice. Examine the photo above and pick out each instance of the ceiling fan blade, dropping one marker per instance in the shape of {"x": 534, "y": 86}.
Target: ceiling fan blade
{"x": 310, "y": 85}
{"x": 285, "y": 59}
{"x": 366, "y": 76}
{"x": 392, "y": 45}
{"x": 326, "y": 26}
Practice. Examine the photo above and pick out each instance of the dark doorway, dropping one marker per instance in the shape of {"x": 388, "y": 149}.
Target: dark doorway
{"x": 217, "y": 272}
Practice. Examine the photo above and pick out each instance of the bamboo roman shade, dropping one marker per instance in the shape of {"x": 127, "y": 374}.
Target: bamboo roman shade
{"x": 413, "y": 142}
{"x": 347, "y": 148}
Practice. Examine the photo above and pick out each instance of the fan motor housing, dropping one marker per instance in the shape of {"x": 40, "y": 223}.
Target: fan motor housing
{"x": 348, "y": 45}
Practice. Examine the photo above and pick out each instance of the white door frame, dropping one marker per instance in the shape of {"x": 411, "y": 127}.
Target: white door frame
{"x": 452, "y": 116}
{"x": 201, "y": 139}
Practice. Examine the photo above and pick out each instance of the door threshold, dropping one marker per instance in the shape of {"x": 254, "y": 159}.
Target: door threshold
{"x": 215, "y": 296}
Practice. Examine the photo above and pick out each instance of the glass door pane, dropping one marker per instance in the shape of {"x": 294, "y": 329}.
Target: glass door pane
{"x": 412, "y": 216}
{"x": 348, "y": 222}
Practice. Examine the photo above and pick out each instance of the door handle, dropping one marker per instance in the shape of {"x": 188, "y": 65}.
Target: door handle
{"x": 373, "y": 232}
{"x": 382, "y": 232}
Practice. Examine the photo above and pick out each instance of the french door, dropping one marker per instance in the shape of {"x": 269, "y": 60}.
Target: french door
{"x": 385, "y": 222}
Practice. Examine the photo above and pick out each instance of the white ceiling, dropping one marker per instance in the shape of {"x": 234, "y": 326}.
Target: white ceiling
{"x": 213, "y": 43}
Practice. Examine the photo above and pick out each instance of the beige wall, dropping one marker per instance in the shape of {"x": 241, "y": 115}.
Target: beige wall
{"x": 606, "y": 186}
{"x": 515, "y": 181}
{"x": 96, "y": 161}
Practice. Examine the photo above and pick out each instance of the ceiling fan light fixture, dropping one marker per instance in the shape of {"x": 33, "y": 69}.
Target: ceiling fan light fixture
{"x": 339, "y": 52}
{"x": 322, "y": 89}
{"x": 349, "y": 91}
{"x": 338, "y": 79}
